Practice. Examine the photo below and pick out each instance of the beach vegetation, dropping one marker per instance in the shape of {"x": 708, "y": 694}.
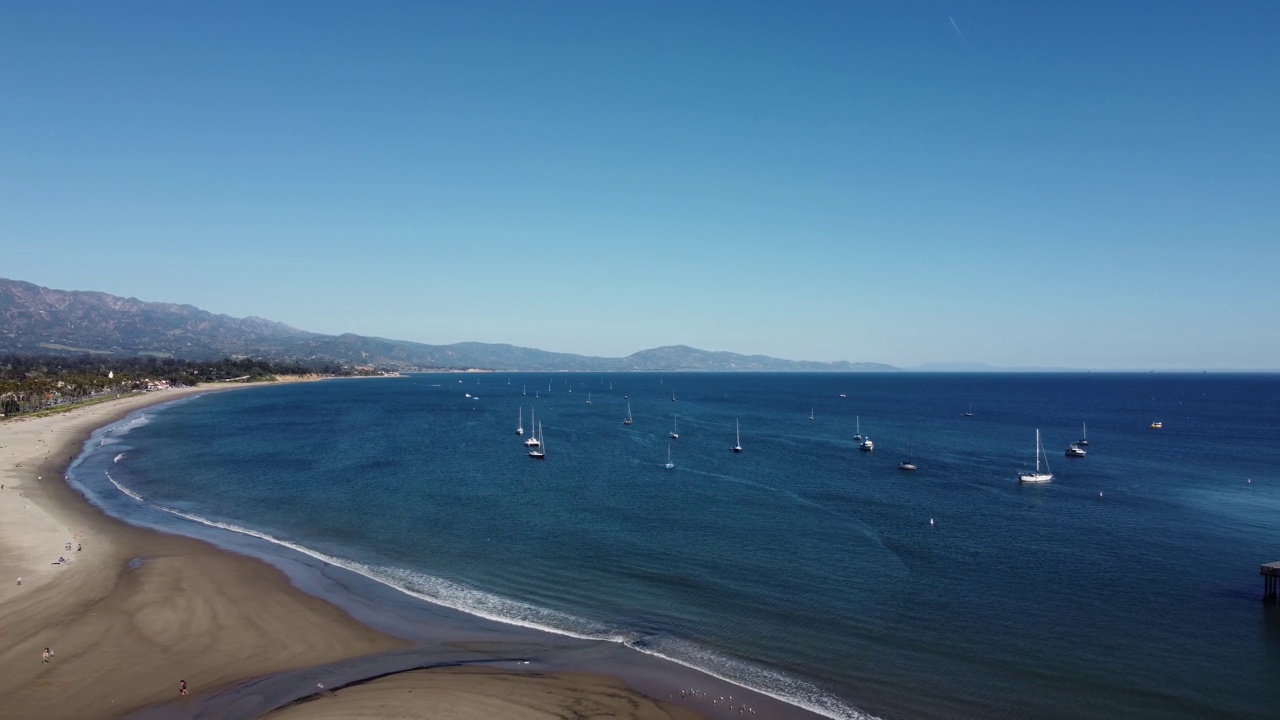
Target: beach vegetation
{"x": 32, "y": 383}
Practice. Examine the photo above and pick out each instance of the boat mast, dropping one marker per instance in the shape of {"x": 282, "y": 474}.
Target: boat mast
{"x": 1037, "y": 451}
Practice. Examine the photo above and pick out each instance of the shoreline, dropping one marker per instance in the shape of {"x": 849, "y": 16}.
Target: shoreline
{"x": 134, "y": 611}
{"x": 133, "y": 574}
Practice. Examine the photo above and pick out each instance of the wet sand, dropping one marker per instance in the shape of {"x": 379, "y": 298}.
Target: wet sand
{"x": 483, "y": 694}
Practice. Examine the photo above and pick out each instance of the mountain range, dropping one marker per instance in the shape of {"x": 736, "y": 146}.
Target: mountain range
{"x": 40, "y": 320}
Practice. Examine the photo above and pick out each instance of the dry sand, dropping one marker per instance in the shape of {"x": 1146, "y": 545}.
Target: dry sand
{"x": 124, "y": 636}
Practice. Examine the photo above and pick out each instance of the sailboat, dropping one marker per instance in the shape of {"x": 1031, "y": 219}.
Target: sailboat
{"x": 857, "y": 425}
{"x": 673, "y": 396}
{"x": 539, "y": 451}
{"x": 524, "y": 389}
{"x": 737, "y": 433}
{"x": 970, "y": 412}
{"x": 627, "y": 420}
{"x": 810, "y": 413}
{"x": 669, "y": 464}
{"x": 675, "y": 428}
{"x": 588, "y": 397}
{"x": 1037, "y": 476}
{"x": 520, "y": 422}
{"x": 910, "y": 462}
{"x": 1084, "y": 435}
{"x": 532, "y": 441}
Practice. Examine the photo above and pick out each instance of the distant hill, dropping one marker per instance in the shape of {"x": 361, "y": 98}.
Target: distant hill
{"x": 977, "y": 367}
{"x": 682, "y": 357}
{"x": 35, "y": 320}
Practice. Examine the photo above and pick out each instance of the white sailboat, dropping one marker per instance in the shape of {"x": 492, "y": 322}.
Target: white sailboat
{"x": 532, "y": 441}
{"x": 673, "y": 396}
{"x": 520, "y": 422}
{"x": 588, "y": 397}
{"x": 810, "y": 413}
{"x": 866, "y": 445}
{"x": 1084, "y": 435}
{"x": 737, "y": 433}
{"x": 627, "y": 420}
{"x": 910, "y": 462}
{"x": 675, "y": 428}
{"x": 669, "y": 464}
{"x": 1037, "y": 476}
{"x": 857, "y": 431}
{"x": 539, "y": 452}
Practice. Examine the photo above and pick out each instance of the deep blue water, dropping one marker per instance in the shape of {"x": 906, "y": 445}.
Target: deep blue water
{"x": 1128, "y": 587}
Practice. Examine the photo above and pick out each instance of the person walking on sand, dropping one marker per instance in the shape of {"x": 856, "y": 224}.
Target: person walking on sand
{"x": 44, "y": 656}
{"x": 182, "y": 687}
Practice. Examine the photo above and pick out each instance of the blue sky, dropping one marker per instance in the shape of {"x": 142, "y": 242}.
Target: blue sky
{"x": 1079, "y": 184}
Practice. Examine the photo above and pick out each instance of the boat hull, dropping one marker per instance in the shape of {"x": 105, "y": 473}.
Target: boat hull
{"x": 1035, "y": 478}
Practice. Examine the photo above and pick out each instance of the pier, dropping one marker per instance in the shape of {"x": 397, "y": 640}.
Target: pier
{"x": 1271, "y": 581}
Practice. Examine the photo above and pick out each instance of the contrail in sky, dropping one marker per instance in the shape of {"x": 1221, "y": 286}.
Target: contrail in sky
{"x": 962, "y": 38}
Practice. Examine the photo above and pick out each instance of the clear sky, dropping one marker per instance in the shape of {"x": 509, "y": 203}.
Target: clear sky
{"x": 1082, "y": 184}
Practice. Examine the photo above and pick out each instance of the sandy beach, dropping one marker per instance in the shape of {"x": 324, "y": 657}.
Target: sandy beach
{"x": 129, "y": 613}
{"x": 484, "y": 694}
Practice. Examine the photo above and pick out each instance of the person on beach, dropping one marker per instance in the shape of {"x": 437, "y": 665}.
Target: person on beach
{"x": 182, "y": 687}
{"x": 44, "y": 656}
{"x": 78, "y": 546}
{"x": 19, "y": 579}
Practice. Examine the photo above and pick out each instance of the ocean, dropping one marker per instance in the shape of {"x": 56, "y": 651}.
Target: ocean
{"x": 800, "y": 567}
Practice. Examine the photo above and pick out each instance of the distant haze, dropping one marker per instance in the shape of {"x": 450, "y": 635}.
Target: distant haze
{"x": 1013, "y": 184}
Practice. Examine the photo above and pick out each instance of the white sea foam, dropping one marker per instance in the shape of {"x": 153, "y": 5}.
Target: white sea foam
{"x": 124, "y": 489}
{"x": 119, "y": 458}
{"x": 133, "y": 424}
{"x": 790, "y": 690}
{"x": 513, "y": 612}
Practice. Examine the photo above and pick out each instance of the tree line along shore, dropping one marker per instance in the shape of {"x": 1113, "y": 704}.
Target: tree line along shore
{"x": 40, "y": 383}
